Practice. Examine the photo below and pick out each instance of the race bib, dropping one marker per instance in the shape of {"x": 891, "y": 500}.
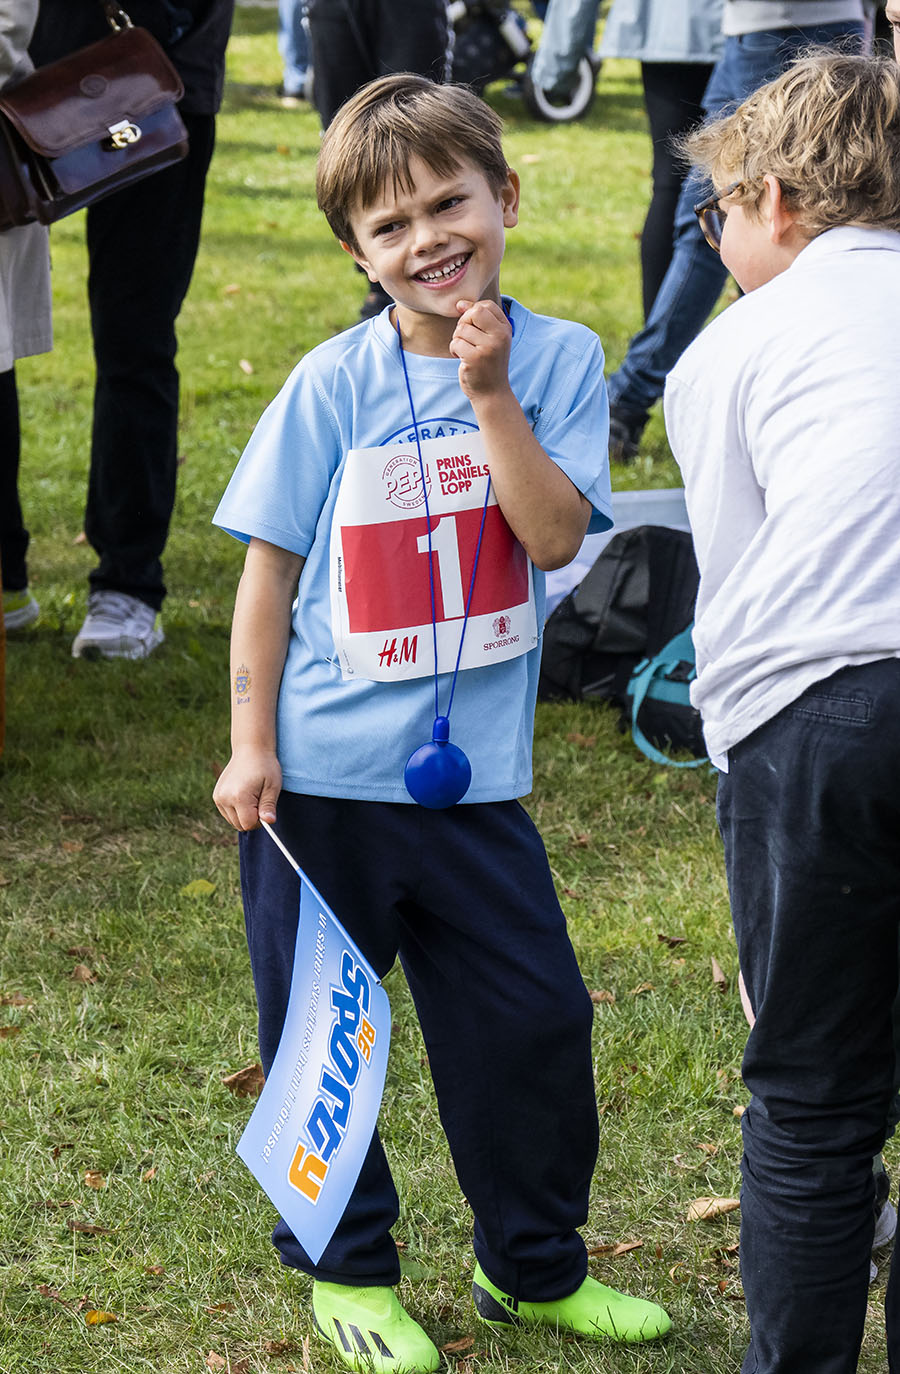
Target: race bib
{"x": 380, "y": 587}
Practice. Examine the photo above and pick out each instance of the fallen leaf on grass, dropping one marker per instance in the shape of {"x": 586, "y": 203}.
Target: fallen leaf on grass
{"x": 88, "y": 1228}
{"x": 7, "y": 1031}
{"x": 246, "y": 1082}
{"x": 80, "y": 538}
{"x": 285, "y": 1347}
{"x": 457, "y": 1347}
{"x": 81, "y": 952}
{"x": 51, "y": 1203}
{"x": 200, "y": 887}
{"x": 148, "y": 1174}
{"x": 673, "y": 941}
{"x": 214, "y": 1361}
{"x": 641, "y": 987}
{"x": 708, "y": 1148}
{"x": 220, "y": 1307}
{"x": 583, "y": 741}
{"x": 72, "y": 846}
{"x": 82, "y": 974}
{"x": 602, "y": 995}
{"x": 718, "y": 976}
{"x": 15, "y": 999}
{"x": 157, "y": 1270}
{"x": 94, "y": 1179}
{"x": 246, "y": 367}
{"x": 707, "y": 1208}
{"x": 94, "y": 1317}
{"x": 621, "y": 1247}
{"x": 47, "y": 1292}
{"x": 738, "y": 1111}
{"x": 232, "y": 289}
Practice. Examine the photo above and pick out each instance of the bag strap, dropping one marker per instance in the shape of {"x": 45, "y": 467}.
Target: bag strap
{"x": 678, "y": 650}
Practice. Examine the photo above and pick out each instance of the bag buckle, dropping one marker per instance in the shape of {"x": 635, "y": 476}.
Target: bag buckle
{"x": 123, "y": 134}
{"x": 116, "y": 16}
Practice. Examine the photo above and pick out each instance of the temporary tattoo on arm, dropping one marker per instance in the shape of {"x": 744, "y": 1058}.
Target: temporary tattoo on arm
{"x": 242, "y": 685}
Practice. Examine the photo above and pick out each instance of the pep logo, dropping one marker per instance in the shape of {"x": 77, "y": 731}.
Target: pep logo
{"x": 350, "y": 1044}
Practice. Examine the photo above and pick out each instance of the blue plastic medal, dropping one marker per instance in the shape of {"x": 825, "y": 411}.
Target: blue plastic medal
{"x": 438, "y": 773}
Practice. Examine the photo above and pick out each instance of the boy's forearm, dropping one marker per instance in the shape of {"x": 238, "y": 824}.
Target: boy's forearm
{"x": 542, "y": 506}
{"x": 259, "y": 640}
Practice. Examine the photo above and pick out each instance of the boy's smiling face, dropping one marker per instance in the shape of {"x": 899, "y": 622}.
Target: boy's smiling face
{"x": 438, "y": 242}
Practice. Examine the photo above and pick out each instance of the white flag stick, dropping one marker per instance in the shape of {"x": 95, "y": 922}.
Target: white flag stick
{"x": 285, "y": 851}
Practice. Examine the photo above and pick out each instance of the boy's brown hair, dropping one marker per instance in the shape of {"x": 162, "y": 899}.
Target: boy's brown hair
{"x": 828, "y": 128}
{"x": 380, "y": 129}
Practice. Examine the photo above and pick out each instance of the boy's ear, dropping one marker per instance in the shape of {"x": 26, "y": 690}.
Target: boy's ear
{"x": 781, "y": 220}
{"x": 509, "y": 199}
{"x": 358, "y": 259}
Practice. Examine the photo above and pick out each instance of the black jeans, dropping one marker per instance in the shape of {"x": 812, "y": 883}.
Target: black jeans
{"x": 353, "y": 41}
{"x": 142, "y": 243}
{"x": 810, "y": 817}
{"x": 673, "y": 95}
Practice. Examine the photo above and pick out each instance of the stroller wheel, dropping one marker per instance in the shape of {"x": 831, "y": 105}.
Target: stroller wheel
{"x": 560, "y": 109}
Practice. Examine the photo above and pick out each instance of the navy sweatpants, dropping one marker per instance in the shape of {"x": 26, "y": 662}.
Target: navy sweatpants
{"x": 465, "y": 897}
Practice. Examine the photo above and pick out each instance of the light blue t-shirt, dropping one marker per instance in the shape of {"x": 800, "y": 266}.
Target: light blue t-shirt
{"x": 351, "y": 738}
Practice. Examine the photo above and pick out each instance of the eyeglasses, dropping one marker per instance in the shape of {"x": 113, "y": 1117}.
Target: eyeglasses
{"x": 712, "y": 217}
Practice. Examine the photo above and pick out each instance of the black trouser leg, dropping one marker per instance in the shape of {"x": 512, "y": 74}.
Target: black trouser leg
{"x": 810, "y": 817}
{"x": 142, "y": 243}
{"x": 353, "y": 41}
{"x": 13, "y": 534}
{"x": 673, "y": 92}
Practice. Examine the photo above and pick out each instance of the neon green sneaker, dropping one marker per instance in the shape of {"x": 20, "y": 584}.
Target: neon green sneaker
{"x": 592, "y": 1310}
{"x": 19, "y": 609}
{"x": 370, "y": 1330}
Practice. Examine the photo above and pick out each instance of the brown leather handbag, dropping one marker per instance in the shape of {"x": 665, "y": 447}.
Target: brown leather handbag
{"x": 87, "y": 125}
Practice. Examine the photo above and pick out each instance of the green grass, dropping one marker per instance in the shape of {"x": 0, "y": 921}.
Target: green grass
{"x": 107, "y": 819}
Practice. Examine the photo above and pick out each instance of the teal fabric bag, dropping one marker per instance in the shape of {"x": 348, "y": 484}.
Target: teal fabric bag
{"x": 659, "y": 706}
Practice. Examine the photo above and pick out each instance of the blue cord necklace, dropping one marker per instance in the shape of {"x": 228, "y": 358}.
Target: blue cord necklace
{"x": 438, "y": 773}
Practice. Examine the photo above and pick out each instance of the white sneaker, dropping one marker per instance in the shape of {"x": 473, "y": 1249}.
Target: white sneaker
{"x": 885, "y": 1226}
{"x": 885, "y": 1230}
{"x": 117, "y": 626}
{"x": 19, "y": 609}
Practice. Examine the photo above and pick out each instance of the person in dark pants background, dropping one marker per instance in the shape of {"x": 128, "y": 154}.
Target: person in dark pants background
{"x": 142, "y": 243}
{"x": 354, "y": 41}
{"x": 676, "y": 43}
{"x": 761, "y": 39}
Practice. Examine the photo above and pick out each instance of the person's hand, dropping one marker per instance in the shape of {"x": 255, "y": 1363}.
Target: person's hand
{"x": 481, "y": 341}
{"x": 248, "y": 789}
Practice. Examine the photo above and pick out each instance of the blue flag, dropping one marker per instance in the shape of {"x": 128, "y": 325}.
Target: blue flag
{"x": 312, "y": 1126}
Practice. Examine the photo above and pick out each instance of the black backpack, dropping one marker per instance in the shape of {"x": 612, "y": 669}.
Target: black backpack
{"x": 637, "y": 598}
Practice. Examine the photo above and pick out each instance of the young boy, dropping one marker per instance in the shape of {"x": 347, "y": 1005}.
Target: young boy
{"x": 785, "y": 418}
{"x": 421, "y": 469}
